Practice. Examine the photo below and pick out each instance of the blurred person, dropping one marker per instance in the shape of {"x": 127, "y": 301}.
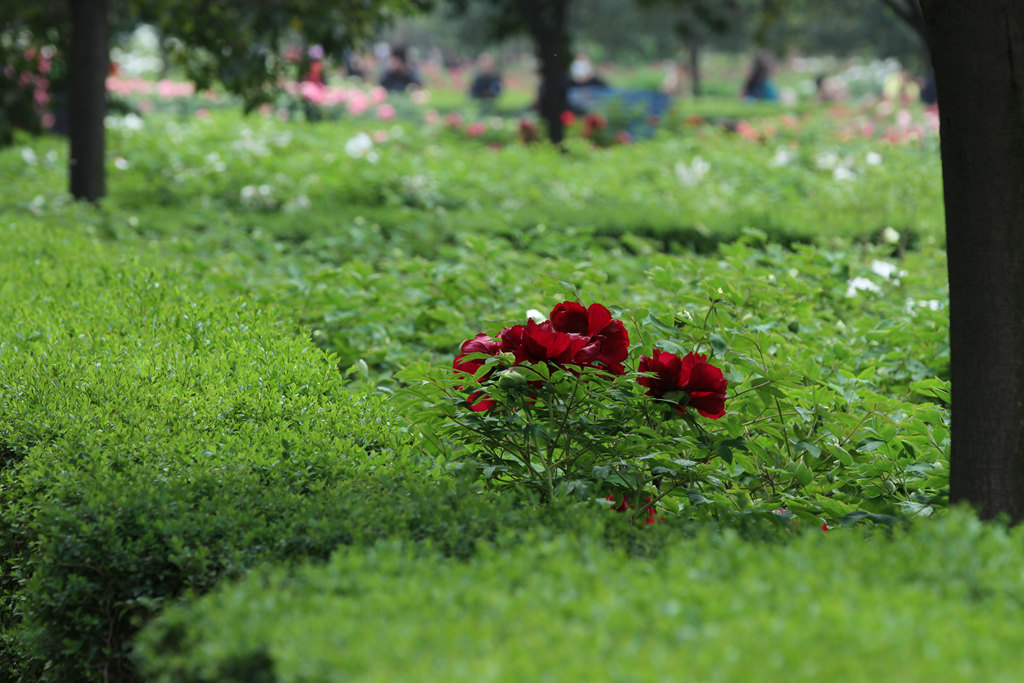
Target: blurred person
{"x": 315, "y": 72}
{"x": 759, "y": 84}
{"x": 582, "y": 74}
{"x": 486, "y": 85}
{"x": 354, "y": 65}
{"x": 829, "y": 90}
{"x": 585, "y": 86}
{"x": 399, "y": 75}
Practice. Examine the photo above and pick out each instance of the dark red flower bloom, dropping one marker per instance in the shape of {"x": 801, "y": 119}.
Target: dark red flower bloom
{"x": 481, "y": 343}
{"x": 608, "y": 340}
{"x": 543, "y": 343}
{"x": 512, "y": 337}
{"x": 624, "y": 506}
{"x": 702, "y": 383}
{"x": 568, "y": 118}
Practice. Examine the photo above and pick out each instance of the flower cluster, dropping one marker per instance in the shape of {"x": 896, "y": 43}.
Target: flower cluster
{"x": 689, "y": 380}
{"x": 573, "y": 336}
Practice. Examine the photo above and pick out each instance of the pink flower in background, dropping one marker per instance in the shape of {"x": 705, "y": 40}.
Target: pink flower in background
{"x": 386, "y": 112}
{"x": 202, "y": 113}
{"x": 431, "y": 117}
{"x": 357, "y": 103}
{"x": 746, "y": 131}
{"x": 379, "y": 136}
{"x": 420, "y": 96}
{"x": 454, "y": 119}
{"x": 623, "y": 137}
{"x": 378, "y": 94}
{"x": 476, "y": 128}
{"x": 169, "y": 89}
{"x": 314, "y": 92}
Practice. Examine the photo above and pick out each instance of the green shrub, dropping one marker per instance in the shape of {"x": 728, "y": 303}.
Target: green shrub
{"x": 938, "y": 602}
{"x": 154, "y": 440}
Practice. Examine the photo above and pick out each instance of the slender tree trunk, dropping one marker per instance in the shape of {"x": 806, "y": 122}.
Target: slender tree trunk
{"x": 977, "y": 52}
{"x": 87, "y": 103}
{"x": 549, "y": 27}
{"x": 694, "y": 54}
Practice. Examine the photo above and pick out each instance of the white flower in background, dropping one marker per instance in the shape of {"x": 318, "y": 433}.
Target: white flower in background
{"x": 359, "y": 146}
{"x": 691, "y": 174}
{"x": 121, "y": 164}
{"x": 29, "y": 155}
{"x": 913, "y": 305}
{"x": 783, "y": 156}
{"x": 130, "y": 121}
{"x": 890, "y": 235}
{"x": 873, "y": 158}
{"x": 257, "y": 196}
{"x": 861, "y": 284}
{"x": 840, "y": 173}
{"x": 886, "y": 270}
{"x": 826, "y": 160}
{"x": 299, "y": 203}
{"x": 535, "y": 315}
{"x": 213, "y": 159}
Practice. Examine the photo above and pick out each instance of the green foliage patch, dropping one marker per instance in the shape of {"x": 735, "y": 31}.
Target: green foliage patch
{"x": 224, "y": 366}
{"x": 937, "y": 602}
{"x": 154, "y": 440}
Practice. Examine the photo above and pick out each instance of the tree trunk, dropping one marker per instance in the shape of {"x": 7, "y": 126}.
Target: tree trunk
{"x": 87, "y": 102}
{"x": 978, "y": 55}
{"x": 694, "y": 54}
{"x": 548, "y": 22}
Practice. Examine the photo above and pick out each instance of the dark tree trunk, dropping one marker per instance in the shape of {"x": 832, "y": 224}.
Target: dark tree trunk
{"x": 909, "y": 11}
{"x": 978, "y": 56}
{"x": 87, "y": 102}
{"x": 549, "y": 28}
{"x": 694, "y": 54}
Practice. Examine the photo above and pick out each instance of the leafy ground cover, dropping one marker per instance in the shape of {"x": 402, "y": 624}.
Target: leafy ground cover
{"x": 938, "y": 602}
{"x": 231, "y": 363}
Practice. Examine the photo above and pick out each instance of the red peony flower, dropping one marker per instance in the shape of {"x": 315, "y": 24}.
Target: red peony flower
{"x": 608, "y": 342}
{"x": 528, "y": 131}
{"x": 624, "y": 506}
{"x": 568, "y": 118}
{"x": 543, "y": 343}
{"x": 592, "y": 122}
{"x": 701, "y": 383}
{"x": 481, "y": 343}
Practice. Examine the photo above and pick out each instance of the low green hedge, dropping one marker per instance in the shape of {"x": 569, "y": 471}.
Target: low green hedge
{"x": 155, "y": 440}
{"x": 938, "y": 602}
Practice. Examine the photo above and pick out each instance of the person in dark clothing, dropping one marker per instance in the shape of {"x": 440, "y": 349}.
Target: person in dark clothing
{"x": 486, "y": 85}
{"x": 585, "y": 86}
{"x": 759, "y": 84}
{"x": 399, "y": 76}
